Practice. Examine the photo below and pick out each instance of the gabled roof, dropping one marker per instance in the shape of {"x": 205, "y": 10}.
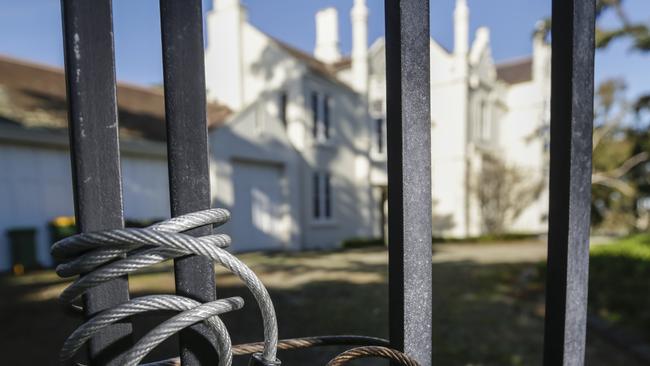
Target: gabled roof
{"x": 34, "y": 96}
{"x": 328, "y": 71}
{"x": 516, "y": 71}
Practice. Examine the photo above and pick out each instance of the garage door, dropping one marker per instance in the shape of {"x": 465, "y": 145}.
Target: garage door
{"x": 260, "y": 209}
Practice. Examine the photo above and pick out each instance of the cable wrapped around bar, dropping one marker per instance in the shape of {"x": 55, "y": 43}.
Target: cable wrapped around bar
{"x": 102, "y": 256}
{"x": 106, "y": 255}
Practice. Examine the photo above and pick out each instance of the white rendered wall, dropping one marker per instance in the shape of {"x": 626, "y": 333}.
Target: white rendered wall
{"x": 345, "y": 155}
{"x": 36, "y": 187}
{"x": 255, "y": 136}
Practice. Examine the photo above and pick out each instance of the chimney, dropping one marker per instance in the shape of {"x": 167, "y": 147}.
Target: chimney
{"x": 541, "y": 53}
{"x": 461, "y": 28}
{"x": 327, "y": 36}
{"x": 359, "y": 16}
{"x": 224, "y": 53}
{"x": 225, "y": 4}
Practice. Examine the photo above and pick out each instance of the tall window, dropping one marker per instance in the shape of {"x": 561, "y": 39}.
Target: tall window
{"x": 322, "y": 196}
{"x": 321, "y": 116}
{"x": 316, "y": 195}
{"x": 327, "y": 195}
{"x": 485, "y": 121}
{"x": 326, "y": 116}
{"x": 379, "y": 135}
{"x": 314, "y": 114}
{"x": 282, "y": 108}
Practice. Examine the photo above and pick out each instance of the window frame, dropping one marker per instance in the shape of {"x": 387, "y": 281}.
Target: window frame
{"x": 322, "y": 197}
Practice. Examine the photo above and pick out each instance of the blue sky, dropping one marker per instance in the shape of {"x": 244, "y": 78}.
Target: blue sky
{"x": 32, "y": 30}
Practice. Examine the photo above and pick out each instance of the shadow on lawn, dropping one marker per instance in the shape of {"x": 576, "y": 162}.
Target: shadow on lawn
{"x": 483, "y": 314}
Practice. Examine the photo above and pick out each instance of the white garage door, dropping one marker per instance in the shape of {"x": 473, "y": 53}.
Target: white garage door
{"x": 260, "y": 210}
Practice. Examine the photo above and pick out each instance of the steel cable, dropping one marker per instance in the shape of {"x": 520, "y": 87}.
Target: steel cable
{"x": 373, "y": 352}
{"x": 103, "y": 256}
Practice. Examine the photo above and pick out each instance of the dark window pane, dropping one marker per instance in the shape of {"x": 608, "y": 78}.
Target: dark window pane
{"x": 314, "y": 113}
{"x": 283, "y": 108}
{"x": 379, "y": 125}
{"x": 326, "y": 116}
{"x": 316, "y": 195}
{"x": 328, "y": 197}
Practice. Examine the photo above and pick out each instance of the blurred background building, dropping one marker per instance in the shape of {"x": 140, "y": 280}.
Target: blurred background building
{"x": 298, "y": 141}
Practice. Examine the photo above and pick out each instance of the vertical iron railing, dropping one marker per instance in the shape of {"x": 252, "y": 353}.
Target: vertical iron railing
{"x": 409, "y": 177}
{"x": 572, "y": 88}
{"x": 90, "y": 71}
{"x": 94, "y": 148}
{"x": 187, "y": 151}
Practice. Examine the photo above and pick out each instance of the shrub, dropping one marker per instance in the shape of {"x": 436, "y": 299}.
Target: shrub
{"x": 362, "y": 243}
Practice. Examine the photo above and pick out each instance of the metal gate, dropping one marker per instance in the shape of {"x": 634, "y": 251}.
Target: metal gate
{"x": 90, "y": 74}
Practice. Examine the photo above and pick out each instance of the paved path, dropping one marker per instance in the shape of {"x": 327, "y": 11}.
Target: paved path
{"x": 517, "y": 252}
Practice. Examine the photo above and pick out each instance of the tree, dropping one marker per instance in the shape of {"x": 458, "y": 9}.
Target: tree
{"x": 619, "y": 152}
{"x": 503, "y": 192}
{"x": 637, "y": 32}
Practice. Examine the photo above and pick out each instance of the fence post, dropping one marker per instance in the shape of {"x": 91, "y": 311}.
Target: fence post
{"x": 409, "y": 176}
{"x": 187, "y": 151}
{"x": 94, "y": 150}
{"x": 572, "y": 89}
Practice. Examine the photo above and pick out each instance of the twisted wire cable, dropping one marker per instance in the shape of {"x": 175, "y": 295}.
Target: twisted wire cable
{"x": 373, "y": 352}
{"x": 295, "y": 344}
{"x": 103, "y": 256}
{"x": 309, "y": 342}
{"x": 151, "y": 303}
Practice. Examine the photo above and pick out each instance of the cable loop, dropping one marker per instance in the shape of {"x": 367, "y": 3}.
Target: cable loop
{"x": 106, "y": 255}
{"x": 100, "y": 257}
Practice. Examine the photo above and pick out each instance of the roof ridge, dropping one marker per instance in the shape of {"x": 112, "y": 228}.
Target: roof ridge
{"x": 61, "y": 71}
{"x": 514, "y": 61}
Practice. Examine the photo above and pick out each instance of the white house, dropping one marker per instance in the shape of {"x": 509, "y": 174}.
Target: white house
{"x": 477, "y": 108}
{"x": 293, "y": 162}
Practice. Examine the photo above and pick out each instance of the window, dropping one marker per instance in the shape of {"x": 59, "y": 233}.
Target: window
{"x": 322, "y": 196}
{"x": 485, "y": 121}
{"x": 316, "y": 194}
{"x": 326, "y": 116}
{"x": 282, "y": 108}
{"x": 321, "y": 116}
{"x": 379, "y": 135}
{"x": 326, "y": 196}
{"x": 482, "y": 120}
{"x": 314, "y": 114}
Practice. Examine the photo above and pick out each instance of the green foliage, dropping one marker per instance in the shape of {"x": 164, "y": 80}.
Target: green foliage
{"x": 488, "y": 238}
{"x": 619, "y": 282}
{"x": 353, "y": 243}
{"x": 637, "y": 32}
{"x": 621, "y": 151}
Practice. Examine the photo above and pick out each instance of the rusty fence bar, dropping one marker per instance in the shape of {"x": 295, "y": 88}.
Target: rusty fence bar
{"x": 187, "y": 151}
{"x": 409, "y": 177}
{"x": 94, "y": 148}
{"x": 572, "y": 89}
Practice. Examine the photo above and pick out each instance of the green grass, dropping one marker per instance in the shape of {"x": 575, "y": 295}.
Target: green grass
{"x": 487, "y": 314}
{"x": 488, "y": 238}
{"x": 619, "y": 284}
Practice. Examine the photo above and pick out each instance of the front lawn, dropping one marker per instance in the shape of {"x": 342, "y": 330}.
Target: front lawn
{"x": 488, "y": 307}
{"x": 619, "y": 283}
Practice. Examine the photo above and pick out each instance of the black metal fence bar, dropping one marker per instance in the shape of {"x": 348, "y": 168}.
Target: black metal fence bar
{"x": 570, "y": 181}
{"x": 409, "y": 176}
{"x": 90, "y": 76}
{"x": 189, "y": 179}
